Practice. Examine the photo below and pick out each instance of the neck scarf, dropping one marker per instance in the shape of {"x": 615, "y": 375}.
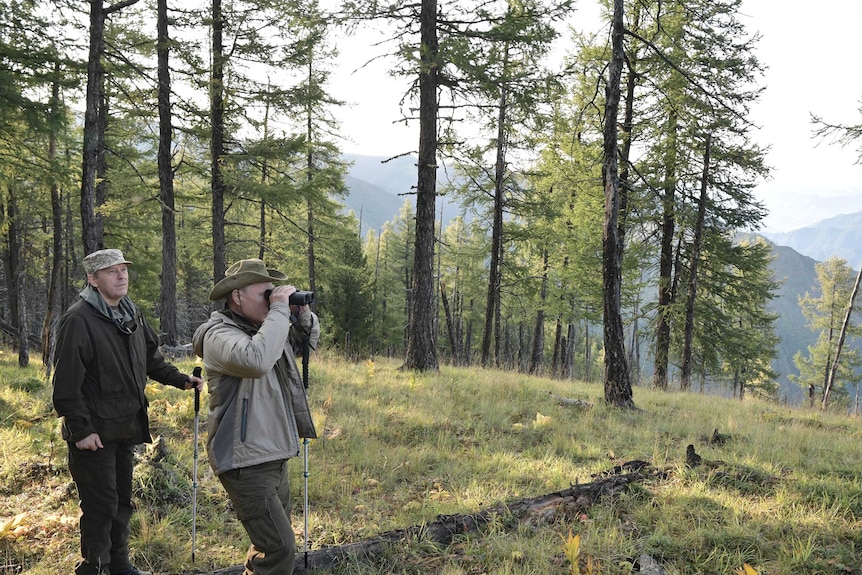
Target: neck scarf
{"x": 123, "y": 315}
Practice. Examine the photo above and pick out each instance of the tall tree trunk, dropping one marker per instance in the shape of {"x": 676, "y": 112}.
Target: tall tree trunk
{"x": 309, "y": 137}
{"x": 17, "y": 299}
{"x": 450, "y": 326}
{"x": 91, "y": 221}
{"x": 688, "y": 337}
{"x": 168, "y": 293}
{"x": 666, "y": 258}
{"x": 537, "y": 355}
{"x": 492, "y": 304}
{"x": 556, "y": 358}
{"x": 618, "y": 389}
{"x": 217, "y": 143}
{"x": 264, "y": 175}
{"x": 569, "y": 362}
{"x": 57, "y": 230}
{"x": 93, "y": 164}
{"x": 832, "y": 371}
{"x": 421, "y": 349}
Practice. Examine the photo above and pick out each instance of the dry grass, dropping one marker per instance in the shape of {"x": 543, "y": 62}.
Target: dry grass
{"x": 783, "y": 493}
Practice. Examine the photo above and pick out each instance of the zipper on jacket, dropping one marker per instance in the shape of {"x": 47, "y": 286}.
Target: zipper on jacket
{"x": 244, "y": 422}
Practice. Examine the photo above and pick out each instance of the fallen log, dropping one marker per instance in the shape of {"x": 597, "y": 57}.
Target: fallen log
{"x": 571, "y": 402}
{"x": 536, "y": 511}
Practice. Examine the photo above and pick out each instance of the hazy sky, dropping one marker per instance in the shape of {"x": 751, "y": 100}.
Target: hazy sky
{"x": 813, "y": 60}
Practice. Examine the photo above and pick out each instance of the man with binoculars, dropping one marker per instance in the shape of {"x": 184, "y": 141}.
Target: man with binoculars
{"x": 258, "y": 407}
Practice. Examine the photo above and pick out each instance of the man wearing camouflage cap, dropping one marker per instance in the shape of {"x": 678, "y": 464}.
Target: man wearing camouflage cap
{"x": 105, "y": 352}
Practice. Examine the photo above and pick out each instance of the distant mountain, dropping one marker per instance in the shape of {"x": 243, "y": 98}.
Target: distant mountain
{"x": 378, "y": 187}
{"x": 796, "y": 274}
{"x": 373, "y": 205}
{"x": 839, "y": 236}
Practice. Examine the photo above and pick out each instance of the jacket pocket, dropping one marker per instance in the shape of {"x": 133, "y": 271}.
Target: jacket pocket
{"x": 243, "y": 420}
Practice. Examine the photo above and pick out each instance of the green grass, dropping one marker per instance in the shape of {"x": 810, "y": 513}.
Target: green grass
{"x": 783, "y": 494}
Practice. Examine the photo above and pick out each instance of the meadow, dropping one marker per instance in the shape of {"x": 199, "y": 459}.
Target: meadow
{"x": 778, "y": 492}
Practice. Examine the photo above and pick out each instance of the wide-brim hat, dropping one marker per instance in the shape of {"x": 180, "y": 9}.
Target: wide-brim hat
{"x": 245, "y": 273}
{"x": 102, "y": 259}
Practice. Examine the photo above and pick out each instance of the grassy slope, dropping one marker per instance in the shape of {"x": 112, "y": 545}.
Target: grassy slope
{"x": 784, "y": 494}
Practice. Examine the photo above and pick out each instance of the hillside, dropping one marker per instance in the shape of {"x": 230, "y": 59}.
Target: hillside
{"x": 796, "y": 275}
{"x": 761, "y": 484}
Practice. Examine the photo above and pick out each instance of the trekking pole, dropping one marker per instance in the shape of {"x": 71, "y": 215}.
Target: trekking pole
{"x": 196, "y": 373}
{"x": 305, "y": 441}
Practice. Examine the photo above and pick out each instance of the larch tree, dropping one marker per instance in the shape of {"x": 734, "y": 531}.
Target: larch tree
{"x": 617, "y": 382}
{"x": 168, "y": 276}
{"x": 95, "y": 118}
{"x": 824, "y": 309}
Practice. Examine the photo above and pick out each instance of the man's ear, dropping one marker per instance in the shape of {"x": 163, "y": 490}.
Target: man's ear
{"x": 91, "y": 280}
{"x": 236, "y": 297}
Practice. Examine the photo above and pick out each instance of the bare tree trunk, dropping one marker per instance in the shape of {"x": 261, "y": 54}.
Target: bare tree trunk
{"x": 421, "y": 349}
{"x": 450, "y": 327}
{"x": 688, "y": 337}
{"x": 91, "y": 222}
{"x": 57, "y": 230}
{"x": 264, "y": 174}
{"x": 537, "y": 355}
{"x": 665, "y": 287}
{"x": 618, "y": 389}
{"x": 569, "y": 362}
{"x": 168, "y": 292}
{"x": 558, "y": 351}
{"x": 309, "y": 138}
{"x": 217, "y": 143}
{"x": 17, "y": 299}
{"x": 831, "y": 380}
{"x": 492, "y": 304}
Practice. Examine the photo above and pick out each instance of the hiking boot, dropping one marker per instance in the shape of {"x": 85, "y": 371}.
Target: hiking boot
{"x": 85, "y": 568}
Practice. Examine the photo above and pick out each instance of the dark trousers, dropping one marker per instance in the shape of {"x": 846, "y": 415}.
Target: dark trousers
{"x": 261, "y": 497}
{"x": 104, "y": 481}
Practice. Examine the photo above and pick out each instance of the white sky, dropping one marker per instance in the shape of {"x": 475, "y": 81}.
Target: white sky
{"x": 813, "y": 59}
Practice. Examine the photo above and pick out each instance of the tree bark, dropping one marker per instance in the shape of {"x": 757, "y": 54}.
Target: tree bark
{"x": 93, "y": 137}
{"x": 217, "y": 143}
{"x": 492, "y": 303}
{"x": 537, "y": 355}
{"x": 421, "y": 349}
{"x": 688, "y": 338}
{"x": 168, "y": 292}
{"x": 665, "y": 280}
{"x": 617, "y": 383}
{"x": 57, "y": 231}
{"x": 15, "y": 281}
{"x": 450, "y": 326}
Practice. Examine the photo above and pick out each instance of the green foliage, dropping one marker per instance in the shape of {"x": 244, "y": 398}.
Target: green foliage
{"x": 824, "y": 311}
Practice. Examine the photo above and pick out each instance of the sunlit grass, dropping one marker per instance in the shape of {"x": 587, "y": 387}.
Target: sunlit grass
{"x": 782, "y": 494}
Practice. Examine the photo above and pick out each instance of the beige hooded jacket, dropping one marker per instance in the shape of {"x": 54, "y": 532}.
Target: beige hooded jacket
{"x": 258, "y": 406}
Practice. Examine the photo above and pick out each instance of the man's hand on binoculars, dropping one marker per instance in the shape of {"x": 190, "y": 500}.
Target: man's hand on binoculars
{"x": 281, "y": 294}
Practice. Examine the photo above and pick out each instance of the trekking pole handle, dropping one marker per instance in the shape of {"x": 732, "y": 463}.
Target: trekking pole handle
{"x": 197, "y": 373}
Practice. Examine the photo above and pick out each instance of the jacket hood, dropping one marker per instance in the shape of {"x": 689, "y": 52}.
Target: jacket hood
{"x": 216, "y": 318}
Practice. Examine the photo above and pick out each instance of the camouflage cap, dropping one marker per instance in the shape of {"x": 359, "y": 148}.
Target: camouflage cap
{"x": 102, "y": 259}
{"x": 245, "y": 273}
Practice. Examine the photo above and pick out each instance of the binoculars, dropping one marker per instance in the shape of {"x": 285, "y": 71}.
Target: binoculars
{"x": 296, "y": 298}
